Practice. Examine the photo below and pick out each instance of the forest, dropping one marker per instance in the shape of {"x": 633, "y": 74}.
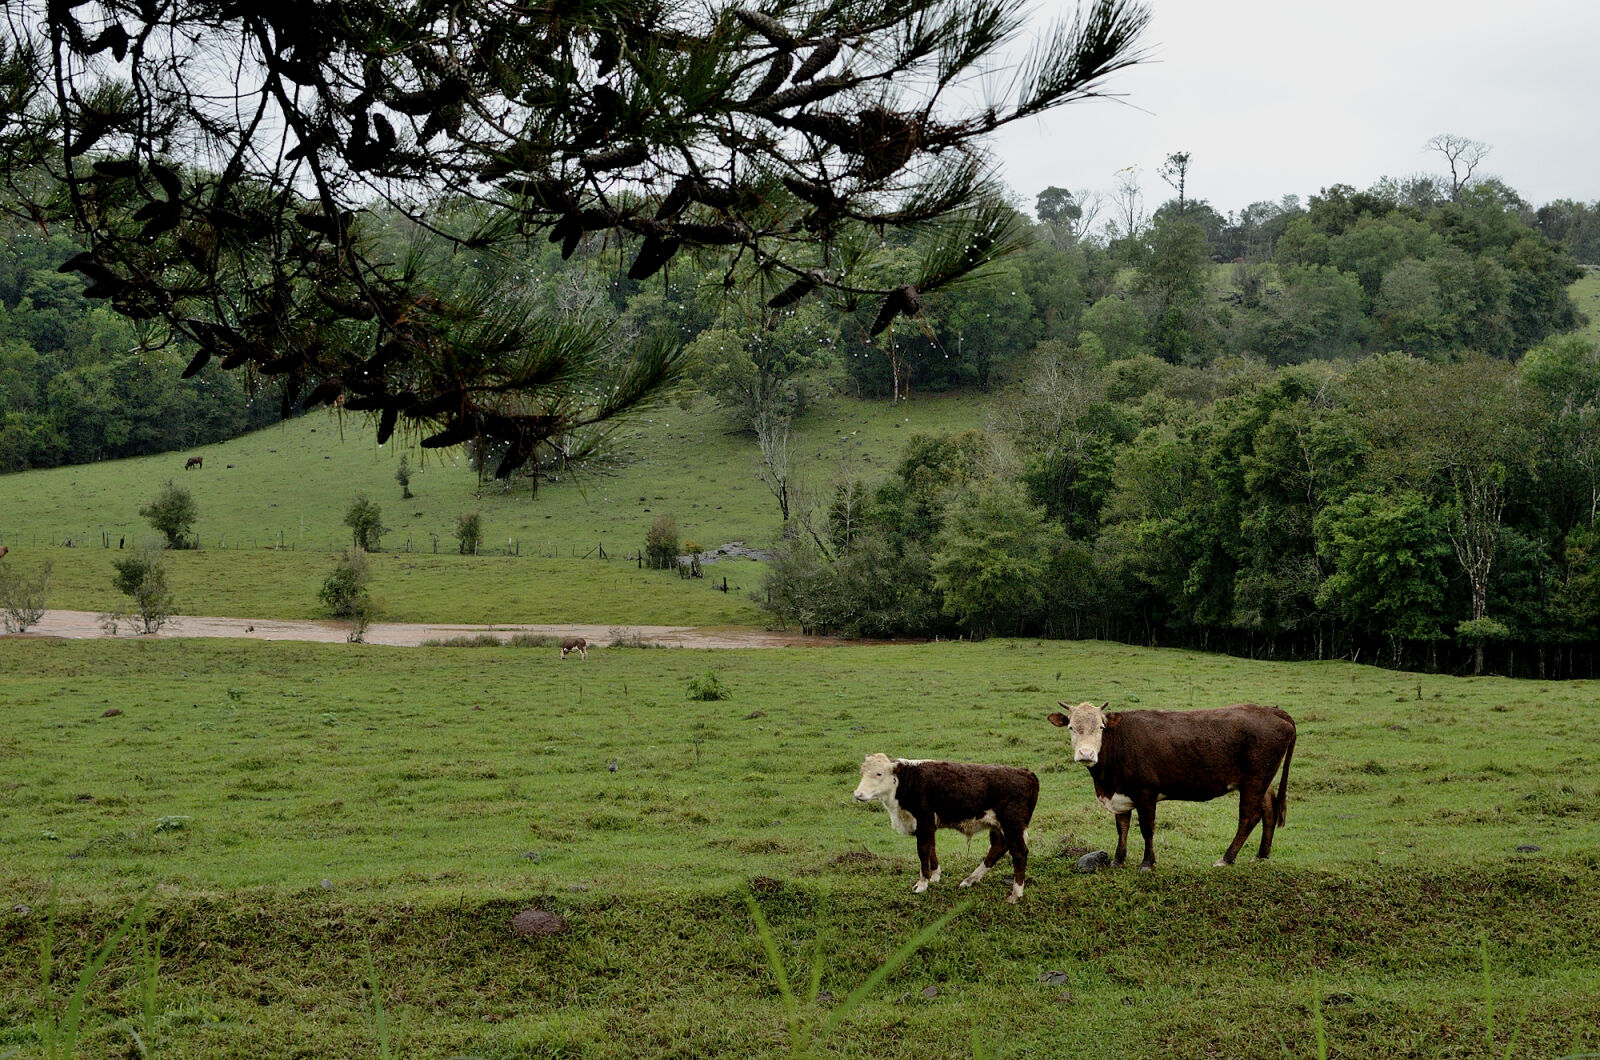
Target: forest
{"x": 1360, "y": 427}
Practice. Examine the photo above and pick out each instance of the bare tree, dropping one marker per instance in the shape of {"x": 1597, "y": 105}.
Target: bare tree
{"x": 1128, "y": 199}
{"x": 772, "y": 435}
{"x": 1462, "y": 155}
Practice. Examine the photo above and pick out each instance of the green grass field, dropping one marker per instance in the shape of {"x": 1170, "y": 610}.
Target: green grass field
{"x": 282, "y": 501}
{"x": 292, "y": 805}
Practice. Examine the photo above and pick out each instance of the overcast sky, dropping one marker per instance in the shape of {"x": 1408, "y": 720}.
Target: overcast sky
{"x": 1276, "y": 97}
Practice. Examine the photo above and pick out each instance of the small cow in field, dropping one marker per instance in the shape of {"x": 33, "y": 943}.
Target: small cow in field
{"x": 1138, "y": 757}
{"x": 3, "y": 550}
{"x": 922, "y": 797}
{"x": 577, "y": 644}
{"x": 195, "y": 461}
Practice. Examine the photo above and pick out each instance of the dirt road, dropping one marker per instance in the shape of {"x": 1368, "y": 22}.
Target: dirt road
{"x": 86, "y": 624}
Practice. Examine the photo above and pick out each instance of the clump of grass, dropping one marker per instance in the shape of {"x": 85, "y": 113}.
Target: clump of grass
{"x": 58, "y": 1032}
{"x": 708, "y": 687}
{"x": 469, "y": 640}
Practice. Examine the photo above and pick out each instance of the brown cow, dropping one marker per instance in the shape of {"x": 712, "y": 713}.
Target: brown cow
{"x": 3, "y": 550}
{"x": 195, "y": 461}
{"x": 923, "y": 797}
{"x": 1138, "y": 757}
{"x": 577, "y": 644}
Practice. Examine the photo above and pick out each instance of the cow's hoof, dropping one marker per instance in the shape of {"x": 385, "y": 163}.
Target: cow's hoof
{"x": 1150, "y": 867}
{"x": 1013, "y": 899}
{"x": 919, "y": 886}
{"x": 1221, "y": 863}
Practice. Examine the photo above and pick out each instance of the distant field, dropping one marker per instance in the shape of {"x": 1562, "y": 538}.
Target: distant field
{"x": 289, "y": 486}
{"x": 1586, "y": 293}
{"x": 293, "y": 805}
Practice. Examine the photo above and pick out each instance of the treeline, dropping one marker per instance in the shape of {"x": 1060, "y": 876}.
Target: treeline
{"x": 1395, "y": 509}
{"x": 77, "y": 383}
{"x": 1400, "y": 266}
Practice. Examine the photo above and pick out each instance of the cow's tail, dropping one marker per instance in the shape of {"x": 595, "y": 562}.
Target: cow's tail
{"x": 1282, "y": 801}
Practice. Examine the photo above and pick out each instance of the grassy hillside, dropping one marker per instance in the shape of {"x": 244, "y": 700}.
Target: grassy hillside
{"x": 294, "y": 805}
{"x": 1586, "y": 293}
{"x": 280, "y": 496}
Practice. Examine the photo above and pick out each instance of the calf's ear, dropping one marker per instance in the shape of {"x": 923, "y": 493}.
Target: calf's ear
{"x": 1058, "y": 720}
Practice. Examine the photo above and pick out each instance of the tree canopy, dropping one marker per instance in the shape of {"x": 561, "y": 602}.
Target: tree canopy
{"x": 226, "y": 164}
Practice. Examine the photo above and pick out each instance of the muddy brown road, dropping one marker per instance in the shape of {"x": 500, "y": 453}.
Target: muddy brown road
{"x": 83, "y": 625}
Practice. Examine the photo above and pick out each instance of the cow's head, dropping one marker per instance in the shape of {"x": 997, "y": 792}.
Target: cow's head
{"x": 877, "y": 779}
{"x": 1087, "y": 723}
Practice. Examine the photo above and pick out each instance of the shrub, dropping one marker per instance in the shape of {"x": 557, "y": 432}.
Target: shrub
{"x": 143, "y": 577}
{"x": 661, "y": 543}
{"x": 173, "y": 513}
{"x": 344, "y": 592}
{"x": 22, "y": 599}
{"x": 708, "y": 687}
{"x": 469, "y": 533}
{"x": 402, "y": 475}
{"x": 365, "y": 521}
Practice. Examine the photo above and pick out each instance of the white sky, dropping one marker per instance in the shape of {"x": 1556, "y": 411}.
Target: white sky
{"x": 1276, "y": 97}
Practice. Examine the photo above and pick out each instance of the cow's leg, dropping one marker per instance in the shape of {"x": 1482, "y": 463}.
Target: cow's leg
{"x": 1124, "y": 819}
{"x": 929, "y": 859}
{"x": 1147, "y": 829}
{"x": 1269, "y": 823}
{"x": 997, "y": 850}
{"x": 1251, "y": 799}
{"x": 1017, "y": 842}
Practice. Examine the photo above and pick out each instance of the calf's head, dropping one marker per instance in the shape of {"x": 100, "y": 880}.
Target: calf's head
{"x": 1087, "y": 723}
{"x": 877, "y": 778}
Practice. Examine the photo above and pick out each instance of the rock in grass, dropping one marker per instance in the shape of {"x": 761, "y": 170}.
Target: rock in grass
{"x": 1528, "y": 848}
{"x": 1094, "y": 861}
{"x": 1055, "y": 978}
{"x": 539, "y": 923}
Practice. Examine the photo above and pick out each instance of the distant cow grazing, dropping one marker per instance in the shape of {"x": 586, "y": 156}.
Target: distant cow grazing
{"x": 1138, "y": 757}
{"x": 577, "y": 644}
{"x": 3, "y": 550}
{"x": 922, "y": 797}
{"x": 195, "y": 461}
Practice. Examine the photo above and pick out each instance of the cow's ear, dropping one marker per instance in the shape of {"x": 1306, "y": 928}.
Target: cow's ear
{"x": 1113, "y": 720}
{"x": 1058, "y": 720}
{"x": 1104, "y": 706}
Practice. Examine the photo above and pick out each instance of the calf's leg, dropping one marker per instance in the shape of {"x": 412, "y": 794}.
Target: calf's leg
{"x": 997, "y": 849}
{"x": 929, "y": 859}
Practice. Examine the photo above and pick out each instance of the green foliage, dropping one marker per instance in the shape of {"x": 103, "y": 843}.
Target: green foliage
{"x": 469, "y": 533}
{"x": 661, "y": 543}
{"x": 365, "y": 520}
{"x": 345, "y": 592}
{"x": 708, "y": 687}
{"x": 23, "y": 598}
{"x": 173, "y": 513}
{"x": 143, "y": 578}
{"x": 990, "y": 559}
{"x": 402, "y": 475}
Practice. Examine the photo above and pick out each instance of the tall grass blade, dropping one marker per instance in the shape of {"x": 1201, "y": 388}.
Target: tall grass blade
{"x": 59, "y": 1036}
{"x": 888, "y": 967}
{"x": 775, "y": 962}
{"x": 380, "y": 1022}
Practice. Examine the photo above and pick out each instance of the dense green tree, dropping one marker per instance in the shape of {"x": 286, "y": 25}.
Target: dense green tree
{"x": 173, "y": 513}
{"x": 990, "y": 560}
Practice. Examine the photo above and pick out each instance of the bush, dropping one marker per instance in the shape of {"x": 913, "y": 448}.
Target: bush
{"x": 469, "y": 533}
{"x": 708, "y": 687}
{"x": 344, "y": 592}
{"x": 173, "y": 513}
{"x": 402, "y": 475}
{"x": 365, "y": 521}
{"x": 22, "y": 599}
{"x": 661, "y": 543}
{"x": 143, "y": 577}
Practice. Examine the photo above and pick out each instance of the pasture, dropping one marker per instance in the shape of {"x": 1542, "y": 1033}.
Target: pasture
{"x": 290, "y": 809}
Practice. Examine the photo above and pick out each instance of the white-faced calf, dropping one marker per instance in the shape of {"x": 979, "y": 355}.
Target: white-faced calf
{"x": 577, "y": 644}
{"x": 1138, "y": 757}
{"x": 922, "y": 797}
